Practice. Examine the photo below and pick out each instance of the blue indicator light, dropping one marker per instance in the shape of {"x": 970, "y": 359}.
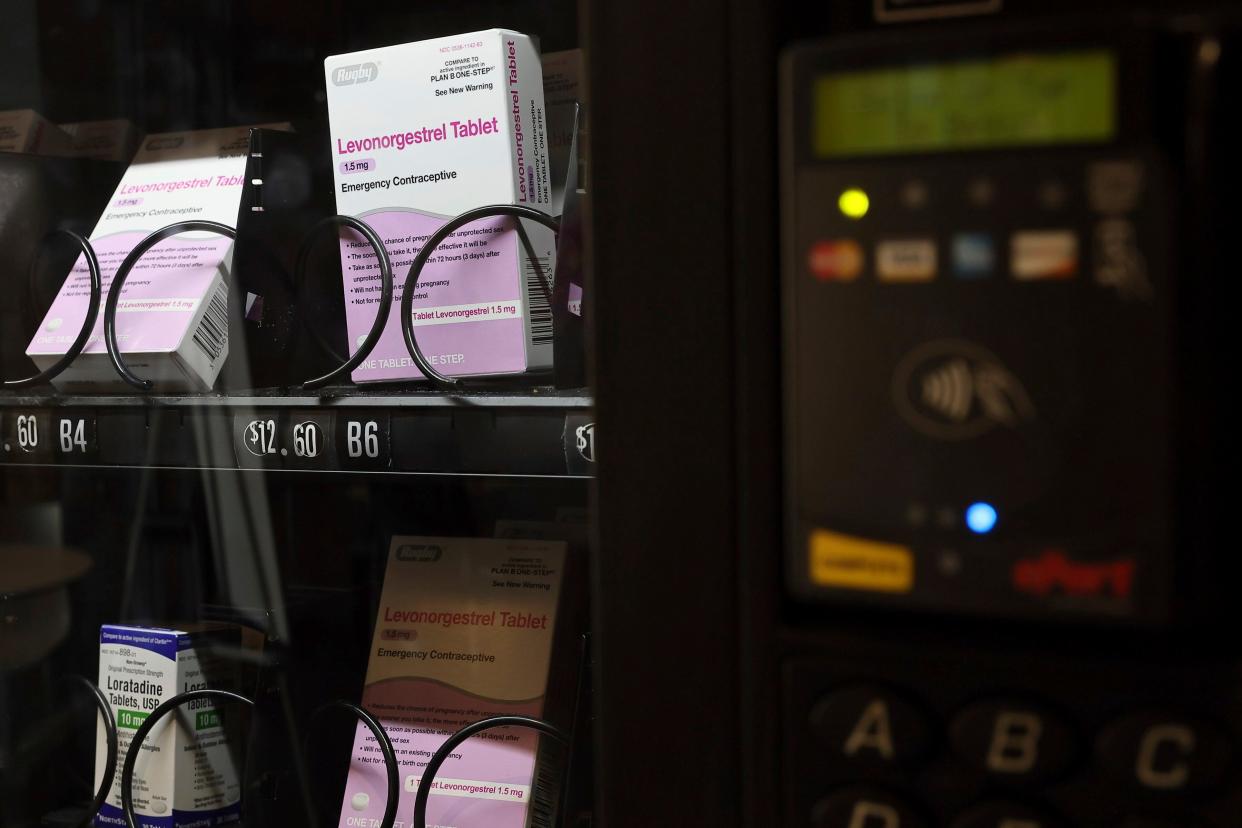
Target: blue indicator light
{"x": 980, "y": 518}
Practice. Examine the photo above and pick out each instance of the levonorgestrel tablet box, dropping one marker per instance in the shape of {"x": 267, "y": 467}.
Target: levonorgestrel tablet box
{"x": 24, "y": 130}
{"x": 109, "y": 140}
{"x": 465, "y": 631}
{"x": 564, "y": 92}
{"x": 422, "y": 132}
{"x": 186, "y": 774}
{"x": 172, "y": 320}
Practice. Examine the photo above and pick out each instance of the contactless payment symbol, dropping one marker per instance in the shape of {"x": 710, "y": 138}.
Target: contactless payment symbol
{"x": 951, "y": 389}
{"x": 838, "y": 260}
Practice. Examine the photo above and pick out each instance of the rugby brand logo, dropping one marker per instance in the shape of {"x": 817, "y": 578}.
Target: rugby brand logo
{"x": 166, "y": 142}
{"x": 419, "y": 553}
{"x": 355, "y": 74}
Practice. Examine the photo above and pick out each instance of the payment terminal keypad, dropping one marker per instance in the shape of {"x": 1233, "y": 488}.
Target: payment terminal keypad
{"x": 970, "y": 739}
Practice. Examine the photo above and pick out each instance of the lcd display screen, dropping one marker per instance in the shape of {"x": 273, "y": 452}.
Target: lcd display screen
{"x": 1034, "y": 99}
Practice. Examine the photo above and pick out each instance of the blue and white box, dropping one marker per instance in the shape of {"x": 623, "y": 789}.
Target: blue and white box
{"x": 186, "y": 775}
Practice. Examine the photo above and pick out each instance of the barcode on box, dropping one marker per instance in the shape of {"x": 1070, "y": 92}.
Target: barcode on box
{"x": 213, "y": 331}
{"x": 546, "y": 787}
{"x": 538, "y": 288}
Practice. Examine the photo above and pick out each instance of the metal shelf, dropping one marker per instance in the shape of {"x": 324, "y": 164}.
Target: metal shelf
{"x": 535, "y": 432}
{"x": 351, "y": 395}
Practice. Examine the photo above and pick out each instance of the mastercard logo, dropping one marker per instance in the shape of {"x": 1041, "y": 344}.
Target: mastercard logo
{"x": 836, "y": 261}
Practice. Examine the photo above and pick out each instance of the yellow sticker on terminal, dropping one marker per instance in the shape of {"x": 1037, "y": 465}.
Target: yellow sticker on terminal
{"x": 851, "y": 562}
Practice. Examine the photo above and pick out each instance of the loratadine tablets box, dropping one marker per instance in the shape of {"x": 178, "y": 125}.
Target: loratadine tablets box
{"x": 420, "y": 133}
{"x": 172, "y": 320}
{"x": 186, "y": 774}
{"x": 464, "y": 632}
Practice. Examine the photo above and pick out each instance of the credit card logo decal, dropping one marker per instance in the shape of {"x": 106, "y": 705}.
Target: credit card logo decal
{"x": 906, "y": 260}
{"x": 974, "y": 255}
{"x": 840, "y": 260}
{"x": 1039, "y": 255}
{"x": 953, "y": 390}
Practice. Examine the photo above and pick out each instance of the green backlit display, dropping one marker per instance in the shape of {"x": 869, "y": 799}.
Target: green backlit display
{"x": 1015, "y": 100}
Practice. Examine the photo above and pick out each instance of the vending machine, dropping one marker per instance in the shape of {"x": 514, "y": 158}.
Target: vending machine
{"x": 297, "y": 439}
{"x": 618, "y": 414}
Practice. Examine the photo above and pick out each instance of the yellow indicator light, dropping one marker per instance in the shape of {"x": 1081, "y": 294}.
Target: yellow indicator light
{"x": 854, "y": 203}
